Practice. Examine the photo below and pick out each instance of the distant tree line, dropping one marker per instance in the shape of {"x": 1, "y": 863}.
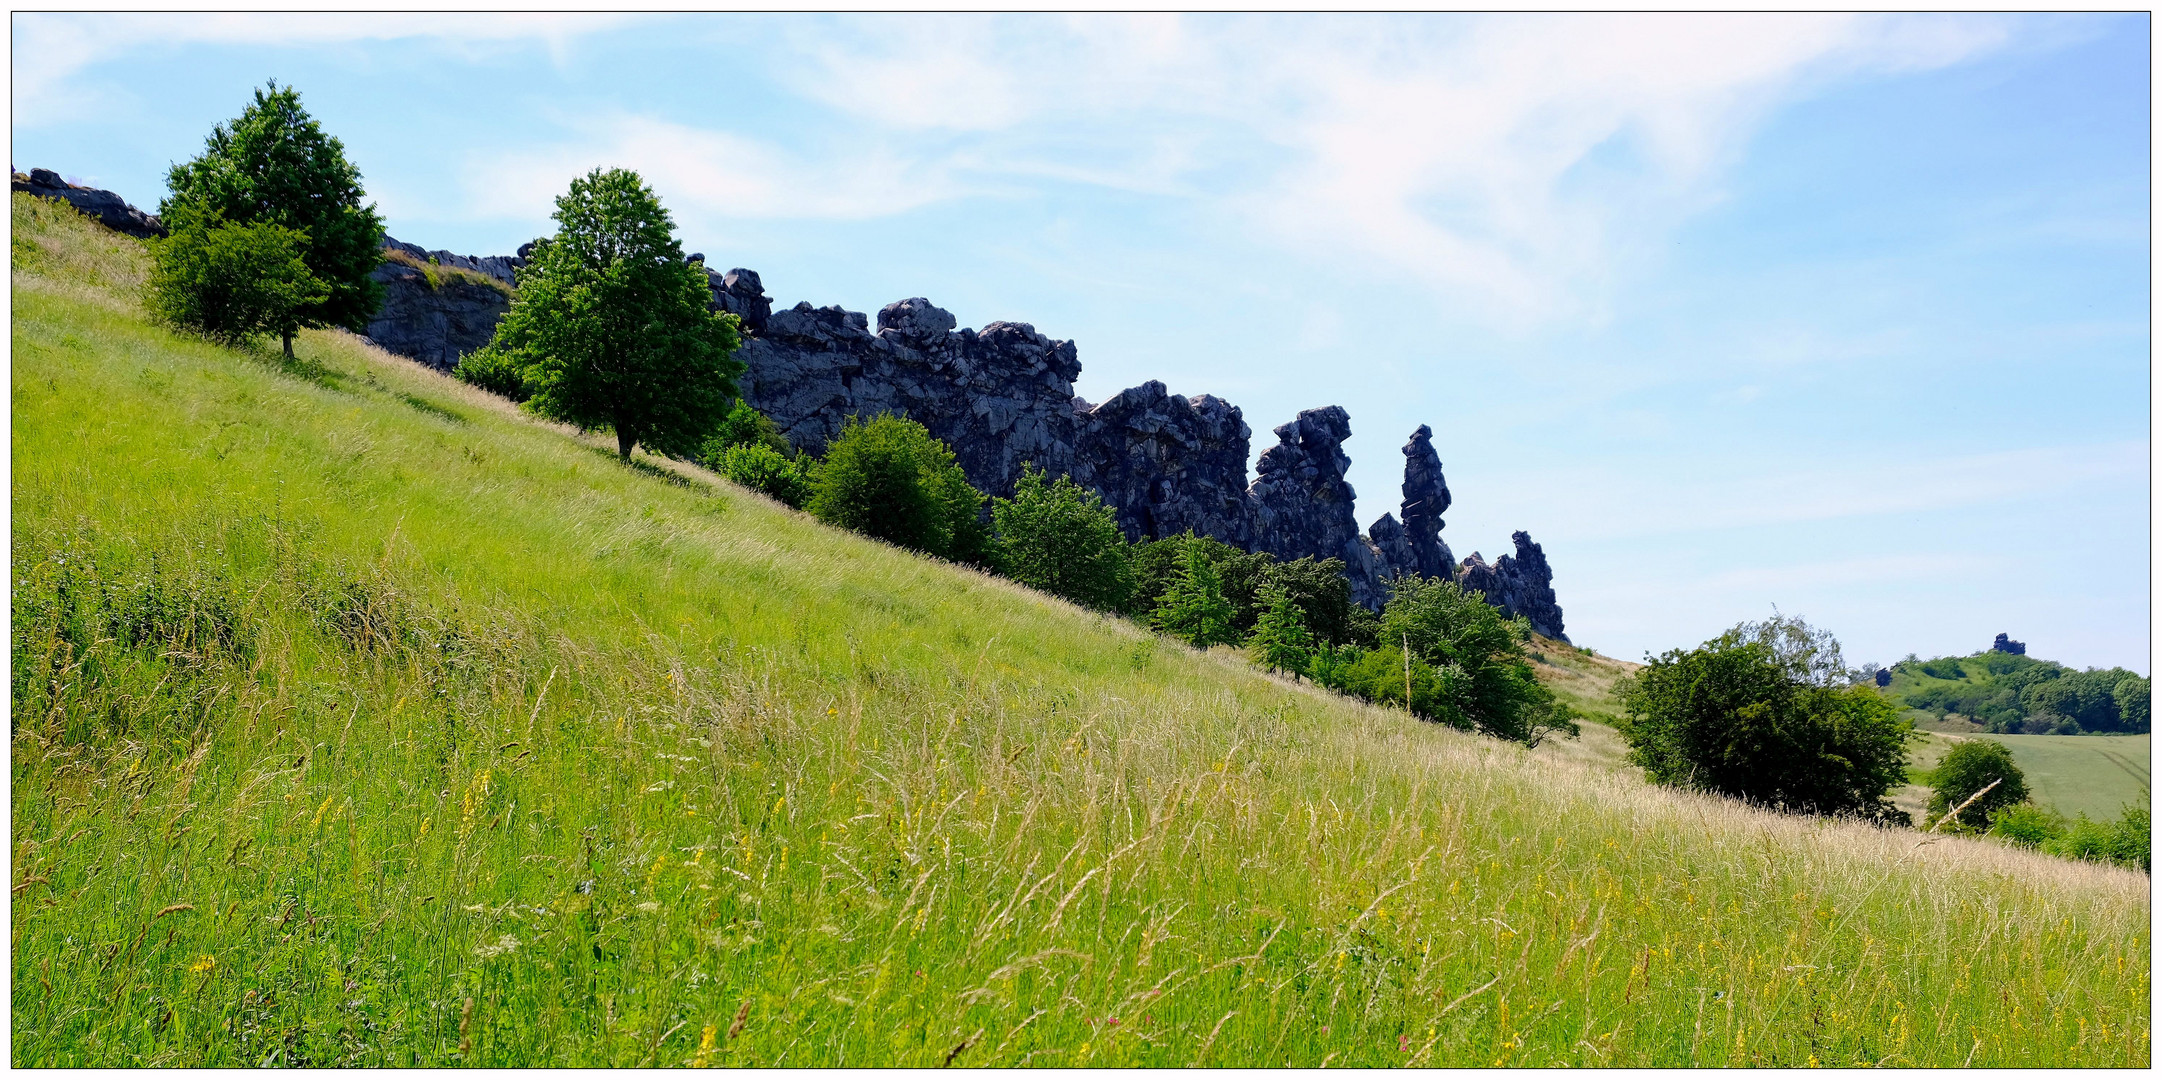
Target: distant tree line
{"x": 2022, "y": 695}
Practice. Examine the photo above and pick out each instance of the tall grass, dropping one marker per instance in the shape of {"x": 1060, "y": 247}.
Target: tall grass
{"x": 358, "y": 720}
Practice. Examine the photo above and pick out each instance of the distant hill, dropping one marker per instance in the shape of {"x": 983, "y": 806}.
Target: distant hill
{"x": 2010, "y": 693}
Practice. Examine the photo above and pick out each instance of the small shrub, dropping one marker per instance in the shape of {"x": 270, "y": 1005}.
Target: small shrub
{"x": 746, "y": 426}
{"x": 2027, "y": 826}
{"x": 1970, "y": 767}
{"x": 494, "y": 370}
{"x": 891, "y": 480}
{"x": 231, "y": 283}
{"x": 758, "y": 467}
{"x": 2127, "y": 842}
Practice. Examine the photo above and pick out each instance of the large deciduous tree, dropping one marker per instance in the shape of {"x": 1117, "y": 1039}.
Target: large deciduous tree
{"x": 611, "y": 328}
{"x": 275, "y": 166}
{"x": 1746, "y": 715}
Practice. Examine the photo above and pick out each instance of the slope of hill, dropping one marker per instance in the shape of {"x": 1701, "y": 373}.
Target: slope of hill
{"x": 360, "y": 720}
{"x": 2012, "y": 694}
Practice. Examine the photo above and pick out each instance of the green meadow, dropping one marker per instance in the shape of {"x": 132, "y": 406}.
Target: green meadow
{"x": 361, "y": 720}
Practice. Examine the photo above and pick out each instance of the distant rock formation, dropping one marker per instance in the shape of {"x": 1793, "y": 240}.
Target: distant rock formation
{"x": 1522, "y": 585}
{"x": 2005, "y": 644}
{"x": 1426, "y": 498}
{"x": 1002, "y": 397}
{"x": 438, "y": 320}
{"x": 109, "y": 209}
{"x": 1167, "y": 463}
{"x": 1303, "y": 504}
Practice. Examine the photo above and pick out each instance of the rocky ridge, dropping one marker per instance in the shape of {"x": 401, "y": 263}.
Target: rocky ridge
{"x": 109, "y": 209}
{"x": 1002, "y": 397}
{"x": 438, "y": 318}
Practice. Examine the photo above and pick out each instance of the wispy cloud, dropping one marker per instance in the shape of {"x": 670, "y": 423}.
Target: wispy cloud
{"x": 708, "y": 177}
{"x": 1518, "y": 163}
{"x": 52, "y": 50}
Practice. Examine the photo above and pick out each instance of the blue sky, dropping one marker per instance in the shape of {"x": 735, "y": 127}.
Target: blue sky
{"x": 1843, "y": 314}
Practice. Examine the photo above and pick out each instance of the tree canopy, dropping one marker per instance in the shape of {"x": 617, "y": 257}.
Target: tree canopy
{"x": 274, "y": 165}
{"x": 233, "y": 283}
{"x": 889, "y": 478}
{"x": 1738, "y": 716}
{"x": 1061, "y": 538}
{"x": 1969, "y": 768}
{"x": 611, "y": 328}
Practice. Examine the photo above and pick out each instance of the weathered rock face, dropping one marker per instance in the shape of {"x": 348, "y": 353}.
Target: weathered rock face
{"x": 1168, "y": 463}
{"x": 1426, "y": 498}
{"x": 1522, "y": 585}
{"x": 1303, "y": 504}
{"x": 437, "y": 324}
{"x": 109, "y": 209}
{"x": 1000, "y": 397}
{"x": 2005, "y": 644}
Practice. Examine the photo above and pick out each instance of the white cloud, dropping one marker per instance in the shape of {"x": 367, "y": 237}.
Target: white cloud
{"x": 51, "y": 50}
{"x": 1517, "y": 163}
{"x": 706, "y": 177}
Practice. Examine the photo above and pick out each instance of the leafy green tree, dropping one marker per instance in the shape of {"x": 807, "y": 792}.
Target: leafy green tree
{"x": 1735, "y": 717}
{"x": 1193, "y": 608}
{"x": 2135, "y": 700}
{"x": 232, "y": 283}
{"x": 611, "y": 328}
{"x": 275, "y": 166}
{"x": 746, "y": 426}
{"x": 1967, "y": 769}
{"x": 890, "y": 479}
{"x": 757, "y": 466}
{"x": 1323, "y": 594}
{"x": 1483, "y": 672}
{"x": 1280, "y": 641}
{"x": 1061, "y": 538}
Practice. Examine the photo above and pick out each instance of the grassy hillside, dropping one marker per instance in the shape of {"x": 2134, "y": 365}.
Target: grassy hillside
{"x": 2094, "y": 775}
{"x": 359, "y": 720}
{"x": 2011, "y": 694}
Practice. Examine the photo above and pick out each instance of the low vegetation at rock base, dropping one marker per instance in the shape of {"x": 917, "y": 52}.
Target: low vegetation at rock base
{"x": 359, "y": 719}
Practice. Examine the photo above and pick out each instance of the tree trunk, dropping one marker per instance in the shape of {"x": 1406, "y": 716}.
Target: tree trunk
{"x": 625, "y": 439}
{"x": 288, "y": 344}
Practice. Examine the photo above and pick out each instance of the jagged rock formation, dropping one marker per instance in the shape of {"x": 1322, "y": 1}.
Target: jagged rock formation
{"x": 1426, "y": 498}
{"x": 437, "y": 319}
{"x": 1522, "y": 585}
{"x": 1167, "y": 463}
{"x": 1002, "y": 397}
{"x": 109, "y": 209}
{"x": 2005, "y": 644}
{"x": 1303, "y": 504}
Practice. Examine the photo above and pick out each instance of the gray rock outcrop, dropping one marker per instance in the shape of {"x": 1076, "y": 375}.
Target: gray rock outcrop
{"x": 1002, "y": 397}
{"x": 1426, "y": 498}
{"x": 438, "y": 319}
{"x": 2005, "y": 644}
{"x": 108, "y": 209}
{"x": 1167, "y": 463}
{"x": 1518, "y": 585}
{"x": 1303, "y": 504}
